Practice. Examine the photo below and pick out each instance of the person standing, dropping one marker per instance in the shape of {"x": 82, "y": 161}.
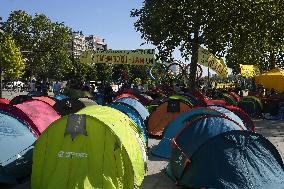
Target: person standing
{"x": 56, "y": 88}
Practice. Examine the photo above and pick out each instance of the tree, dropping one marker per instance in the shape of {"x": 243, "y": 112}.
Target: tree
{"x": 215, "y": 24}
{"x": 43, "y": 42}
{"x": 11, "y": 60}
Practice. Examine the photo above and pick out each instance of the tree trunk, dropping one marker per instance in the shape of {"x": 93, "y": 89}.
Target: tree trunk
{"x": 272, "y": 60}
{"x": 193, "y": 64}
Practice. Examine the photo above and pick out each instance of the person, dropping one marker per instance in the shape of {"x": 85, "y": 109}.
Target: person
{"x": 56, "y": 88}
{"x": 108, "y": 93}
{"x": 32, "y": 85}
{"x": 44, "y": 88}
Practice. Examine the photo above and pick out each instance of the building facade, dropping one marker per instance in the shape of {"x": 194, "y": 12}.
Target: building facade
{"x": 80, "y": 43}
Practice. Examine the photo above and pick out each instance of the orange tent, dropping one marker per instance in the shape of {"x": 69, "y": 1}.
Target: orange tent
{"x": 272, "y": 79}
{"x": 164, "y": 114}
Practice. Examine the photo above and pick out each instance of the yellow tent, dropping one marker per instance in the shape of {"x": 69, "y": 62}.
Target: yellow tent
{"x": 272, "y": 79}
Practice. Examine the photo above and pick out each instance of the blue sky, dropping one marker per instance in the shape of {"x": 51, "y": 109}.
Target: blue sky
{"x": 109, "y": 19}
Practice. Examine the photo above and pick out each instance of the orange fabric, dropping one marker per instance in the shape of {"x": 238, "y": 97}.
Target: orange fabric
{"x": 46, "y": 99}
{"x": 160, "y": 118}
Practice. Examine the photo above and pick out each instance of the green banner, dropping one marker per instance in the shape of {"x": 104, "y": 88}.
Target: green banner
{"x": 136, "y": 57}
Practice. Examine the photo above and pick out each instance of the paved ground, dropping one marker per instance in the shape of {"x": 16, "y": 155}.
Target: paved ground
{"x": 155, "y": 175}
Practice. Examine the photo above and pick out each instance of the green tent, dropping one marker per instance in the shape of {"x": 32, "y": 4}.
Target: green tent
{"x": 83, "y": 151}
{"x": 182, "y": 98}
{"x": 128, "y": 132}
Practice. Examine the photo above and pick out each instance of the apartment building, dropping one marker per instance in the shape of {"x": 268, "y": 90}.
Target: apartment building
{"x": 80, "y": 43}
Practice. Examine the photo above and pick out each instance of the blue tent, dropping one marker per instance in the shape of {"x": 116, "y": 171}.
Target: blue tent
{"x": 235, "y": 159}
{"x": 133, "y": 114}
{"x": 35, "y": 93}
{"x": 137, "y": 105}
{"x": 61, "y": 97}
{"x": 16, "y": 144}
{"x": 163, "y": 149}
{"x": 229, "y": 113}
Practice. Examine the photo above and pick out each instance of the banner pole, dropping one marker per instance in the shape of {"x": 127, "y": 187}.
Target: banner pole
{"x": 208, "y": 78}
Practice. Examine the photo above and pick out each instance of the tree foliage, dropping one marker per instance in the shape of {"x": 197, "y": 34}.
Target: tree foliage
{"x": 237, "y": 28}
{"x": 11, "y": 59}
{"x": 43, "y": 43}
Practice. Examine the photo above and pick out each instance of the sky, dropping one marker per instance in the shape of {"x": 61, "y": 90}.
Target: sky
{"x": 108, "y": 19}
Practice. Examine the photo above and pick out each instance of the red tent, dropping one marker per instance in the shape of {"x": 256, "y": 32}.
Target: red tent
{"x": 4, "y": 101}
{"x": 41, "y": 113}
{"x": 46, "y": 99}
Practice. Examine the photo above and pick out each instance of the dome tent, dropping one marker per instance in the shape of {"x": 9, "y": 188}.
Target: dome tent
{"x": 128, "y": 133}
{"x": 133, "y": 114}
{"x": 68, "y": 106}
{"x": 234, "y": 159}
{"x": 192, "y": 136}
{"x": 16, "y": 140}
{"x": 80, "y": 151}
{"x": 164, "y": 114}
{"x": 251, "y": 105}
{"x": 20, "y": 99}
{"x": 49, "y": 100}
{"x": 60, "y": 97}
{"x": 41, "y": 113}
{"x": 137, "y": 105}
{"x": 229, "y": 99}
{"x": 163, "y": 149}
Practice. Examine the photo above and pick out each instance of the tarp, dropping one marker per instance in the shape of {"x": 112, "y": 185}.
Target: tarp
{"x": 41, "y": 113}
{"x": 20, "y": 99}
{"x": 92, "y": 157}
{"x": 235, "y": 159}
{"x": 172, "y": 129}
{"x": 164, "y": 114}
{"x": 272, "y": 79}
{"x": 68, "y": 106}
{"x": 192, "y": 136}
{"x": 46, "y": 99}
{"x": 137, "y": 105}
{"x": 16, "y": 142}
{"x": 4, "y": 101}
{"x": 133, "y": 114}
{"x": 127, "y": 132}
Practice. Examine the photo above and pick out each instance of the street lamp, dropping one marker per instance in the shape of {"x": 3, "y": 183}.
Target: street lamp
{"x": 1, "y": 84}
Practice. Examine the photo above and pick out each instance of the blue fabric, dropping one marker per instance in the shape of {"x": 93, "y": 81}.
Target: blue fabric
{"x": 163, "y": 149}
{"x": 16, "y": 140}
{"x": 137, "y": 105}
{"x": 60, "y": 97}
{"x": 228, "y": 113}
{"x": 233, "y": 160}
{"x": 133, "y": 114}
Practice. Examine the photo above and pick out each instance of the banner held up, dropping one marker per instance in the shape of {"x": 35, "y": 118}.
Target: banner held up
{"x": 135, "y": 57}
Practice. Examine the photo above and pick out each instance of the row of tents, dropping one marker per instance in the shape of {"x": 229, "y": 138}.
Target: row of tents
{"x": 207, "y": 144}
